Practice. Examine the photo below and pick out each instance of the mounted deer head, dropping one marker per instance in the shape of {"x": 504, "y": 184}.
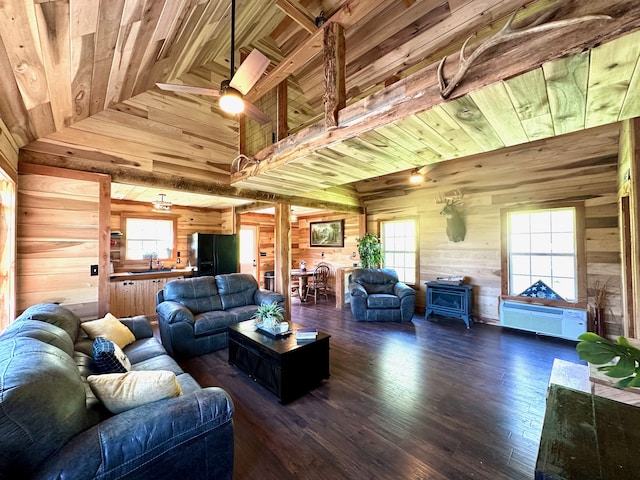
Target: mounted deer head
{"x": 456, "y": 229}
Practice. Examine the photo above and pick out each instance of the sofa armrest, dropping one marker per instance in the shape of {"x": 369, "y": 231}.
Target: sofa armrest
{"x": 174, "y": 312}
{"x": 402, "y": 290}
{"x": 190, "y": 436}
{"x": 357, "y": 290}
{"x": 139, "y": 325}
{"x": 267, "y": 296}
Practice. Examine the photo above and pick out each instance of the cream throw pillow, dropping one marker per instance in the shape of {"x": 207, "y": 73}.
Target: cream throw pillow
{"x": 123, "y": 391}
{"x": 110, "y": 328}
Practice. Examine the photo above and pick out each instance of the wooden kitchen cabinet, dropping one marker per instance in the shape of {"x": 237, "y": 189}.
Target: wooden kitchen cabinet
{"x": 135, "y": 296}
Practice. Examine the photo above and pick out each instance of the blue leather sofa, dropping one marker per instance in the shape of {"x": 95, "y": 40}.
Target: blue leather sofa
{"x": 53, "y": 427}
{"x": 194, "y": 313}
{"x": 376, "y": 295}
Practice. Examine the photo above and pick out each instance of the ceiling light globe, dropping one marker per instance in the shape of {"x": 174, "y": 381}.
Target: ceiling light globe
{"x": 231, "y": 99}
{"x": 416, "y": 178}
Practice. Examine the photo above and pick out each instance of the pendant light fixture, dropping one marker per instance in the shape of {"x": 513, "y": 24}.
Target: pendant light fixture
{"x": 161, "y": 205}
{"x": 230, "y": 98}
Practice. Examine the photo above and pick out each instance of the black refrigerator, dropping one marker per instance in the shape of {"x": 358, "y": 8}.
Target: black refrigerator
{"x": 213, "y": 254}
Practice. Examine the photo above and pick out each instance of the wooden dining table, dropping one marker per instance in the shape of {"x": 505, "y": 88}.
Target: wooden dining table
{"x": 303, "y": 281}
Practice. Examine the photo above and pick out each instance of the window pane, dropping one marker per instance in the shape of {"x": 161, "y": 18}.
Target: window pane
{"x": 519, "y": 283}
{"x": 519, "y": 223}
{"x": 566, "y": 288}
{"x": 562, "y": 243}
{"x": 540, "y": 266}
{"x": 521, "y": 243}
{"x": 540, "y": 222}
{"x": 520, "y": 265}
{"x": 149, "y": 238}
{"x": 399, "y": 247}
{"x": 564, "y": 267}
{"x": 541, "y": 242}
{"x": 562, "y": 220}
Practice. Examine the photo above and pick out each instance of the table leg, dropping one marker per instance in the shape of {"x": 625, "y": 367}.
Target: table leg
{"x": 302, "y": 288}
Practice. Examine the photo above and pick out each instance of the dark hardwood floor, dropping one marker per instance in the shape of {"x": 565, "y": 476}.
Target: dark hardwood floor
{"x": 419, "y": 400}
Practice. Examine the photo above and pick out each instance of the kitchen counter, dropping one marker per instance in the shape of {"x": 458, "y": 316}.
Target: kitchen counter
{"x": 151, "y": 274}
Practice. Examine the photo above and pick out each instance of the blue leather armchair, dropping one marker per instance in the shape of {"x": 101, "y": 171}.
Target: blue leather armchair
{"x": 194, "y": 313}
{"x": 376, "y": 295}
{"x": 53, "y": 427}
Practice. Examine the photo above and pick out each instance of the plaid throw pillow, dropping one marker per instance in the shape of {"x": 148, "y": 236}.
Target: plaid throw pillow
{"x": 109, "y": 357}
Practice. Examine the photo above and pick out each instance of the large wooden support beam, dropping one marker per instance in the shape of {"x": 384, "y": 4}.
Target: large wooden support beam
{"x": 282, "y": 125}
{"x": 282, "y": 251}
{"x": 108, "y": 164}
{"x": 334, "y": 74}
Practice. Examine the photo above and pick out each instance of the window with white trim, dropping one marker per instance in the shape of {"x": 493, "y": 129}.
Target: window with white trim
{"x": 398, "y": 238}
{"x": 542, "y": 245}
{"x": 149, "y": 238}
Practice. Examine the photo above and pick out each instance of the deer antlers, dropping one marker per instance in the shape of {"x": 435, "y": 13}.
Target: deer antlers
{"x": 451, "y": 198}
{"x": 507, "y": 33}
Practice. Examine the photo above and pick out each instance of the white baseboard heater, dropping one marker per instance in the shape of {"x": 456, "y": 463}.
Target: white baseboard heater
{"x": 566, "y": 323}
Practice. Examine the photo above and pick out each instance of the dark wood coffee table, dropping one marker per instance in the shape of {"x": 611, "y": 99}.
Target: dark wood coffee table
{"x": 281, "y": 365}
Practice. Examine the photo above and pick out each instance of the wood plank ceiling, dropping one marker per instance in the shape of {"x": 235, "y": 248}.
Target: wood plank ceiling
{"x": 77, "y": 90}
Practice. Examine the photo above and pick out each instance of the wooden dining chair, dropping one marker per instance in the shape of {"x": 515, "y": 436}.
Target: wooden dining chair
{"x": 319, "y": 282}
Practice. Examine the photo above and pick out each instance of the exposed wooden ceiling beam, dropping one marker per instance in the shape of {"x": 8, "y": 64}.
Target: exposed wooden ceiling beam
{"x": 127, "y": 175}
{"x": 350, "y": 13}
{"x": 298, "y": 14}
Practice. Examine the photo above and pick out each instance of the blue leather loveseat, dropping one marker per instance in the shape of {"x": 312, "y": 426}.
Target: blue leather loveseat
{"x": 194, "y": 313}
{"x": 376, "y": 295}
{"x": 53, "y": 427}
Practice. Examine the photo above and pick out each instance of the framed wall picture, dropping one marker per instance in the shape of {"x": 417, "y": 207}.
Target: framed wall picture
{"x": 326, "y": 234}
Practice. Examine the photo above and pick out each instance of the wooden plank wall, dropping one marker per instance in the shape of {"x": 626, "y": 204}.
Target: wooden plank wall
{"x": 190, "y": 220}
{"x": 335, "y": 256}
{"x": 552, "y": 171}
{"x": 62, "y": 229}
{"x": 8, "y": 180}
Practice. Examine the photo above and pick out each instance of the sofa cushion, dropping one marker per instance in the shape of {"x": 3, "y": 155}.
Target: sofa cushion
{"x": 378, "y": 287}
{"x": 144, "y": 349}
{"x": 244, "y": 312}
{"x": 43, "y": 331}
{"x": 43, "y": 403}
{"x": 110, "y": 328}
{"x": 120, "y": 392}
{"x": 198, "y": 294}
{"x": 56, "y": 315}
{"x": 213, "y": 322}
{"x": 381, "y": 300}
{"x": 109, "y": 357}
{"x": 236, "y": 289}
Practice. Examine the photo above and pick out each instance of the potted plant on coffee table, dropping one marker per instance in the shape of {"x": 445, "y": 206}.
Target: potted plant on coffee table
{"x": 270, "y": 317}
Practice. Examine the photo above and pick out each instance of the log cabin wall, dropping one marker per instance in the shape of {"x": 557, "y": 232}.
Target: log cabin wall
{"x": 190, "y": 220}
{"x": 62, "y": 229}
{"x": 335, "y": 256}
{"x": 8, "y": 177}
{"x": 553, "y": 170}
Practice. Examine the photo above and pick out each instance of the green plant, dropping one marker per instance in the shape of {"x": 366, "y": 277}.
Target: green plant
{"x": 595, "y": 349}
{"x": 269, "y": 314}
{"x": 370, "y": 251}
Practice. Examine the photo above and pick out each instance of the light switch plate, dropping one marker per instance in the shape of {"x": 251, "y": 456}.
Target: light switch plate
{"x": 94, "y": 270}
